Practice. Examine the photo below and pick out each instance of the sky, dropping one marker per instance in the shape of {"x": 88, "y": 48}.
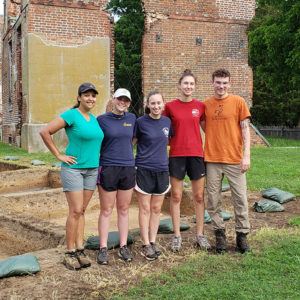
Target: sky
{"x": 1, "y": 8}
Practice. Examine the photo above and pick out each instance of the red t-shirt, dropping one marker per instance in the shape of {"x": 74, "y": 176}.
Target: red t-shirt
{"x": 185, "y": 117}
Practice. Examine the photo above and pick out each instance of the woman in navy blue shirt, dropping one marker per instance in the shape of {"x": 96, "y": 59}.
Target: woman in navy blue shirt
{"x": 116, "y": 178}
{"x": 152, "y": 134}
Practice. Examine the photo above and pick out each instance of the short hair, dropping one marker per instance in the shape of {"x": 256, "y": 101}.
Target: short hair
{"x": 147, "y": 109}
{"x": 187, "y": 72}
{"x": 220, "y": 73}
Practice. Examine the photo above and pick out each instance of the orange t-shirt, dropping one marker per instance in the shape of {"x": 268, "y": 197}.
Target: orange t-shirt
{"x": 223, "y": 134}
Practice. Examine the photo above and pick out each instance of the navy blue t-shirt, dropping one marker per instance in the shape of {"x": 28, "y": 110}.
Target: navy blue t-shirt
{"x": 117, "y": 149}
{"x": 153, "y": 135}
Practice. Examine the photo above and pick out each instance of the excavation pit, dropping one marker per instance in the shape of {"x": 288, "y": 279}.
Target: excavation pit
{"x": 5, "y": 166}
{"x": 33, "y": 211}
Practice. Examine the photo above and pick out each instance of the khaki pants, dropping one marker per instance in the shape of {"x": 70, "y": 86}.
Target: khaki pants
{"x": 237, "y": 182}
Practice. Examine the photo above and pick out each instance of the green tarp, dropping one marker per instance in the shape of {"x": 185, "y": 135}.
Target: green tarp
{"x": 267, "y": 206}
{"x": 225, "y": 187}
{"x": 19, "y": 265}
{"x": 93, "y": 242}
{"x": 166, "y": 226}
{"x": 278, "y": 195}
{"x": 226, "y": 216}
{"x": 37, "y": 162}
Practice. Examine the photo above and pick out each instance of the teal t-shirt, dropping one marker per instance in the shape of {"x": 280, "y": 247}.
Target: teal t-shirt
{"x": 85, "y": 138}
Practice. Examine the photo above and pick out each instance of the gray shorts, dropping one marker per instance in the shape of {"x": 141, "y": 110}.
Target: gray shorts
{"x": 74, "y": 179}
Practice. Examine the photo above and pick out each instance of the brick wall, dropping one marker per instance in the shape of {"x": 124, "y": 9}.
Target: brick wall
{"x": 56, "y": 23}
{"x": 256, "y": 140}
{"x": 201, "y": 36}
{"x": 1, "y": 28}
{"x": 215, "y": 9}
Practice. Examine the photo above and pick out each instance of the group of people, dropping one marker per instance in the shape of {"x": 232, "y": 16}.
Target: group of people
{"x": 153, "y": 172}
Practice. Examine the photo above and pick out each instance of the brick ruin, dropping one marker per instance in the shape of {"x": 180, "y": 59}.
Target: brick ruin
{"x": 201, "y": 35}
{"x": 49, "y": 48}
{"x": 40, "y": 37}
{"x": 1, "y": 28}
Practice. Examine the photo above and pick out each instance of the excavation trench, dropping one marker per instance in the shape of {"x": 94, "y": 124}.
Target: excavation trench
{"x": 33, "y": 210}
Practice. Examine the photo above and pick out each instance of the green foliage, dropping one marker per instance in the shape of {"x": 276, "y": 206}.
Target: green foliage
{"x": 274, "y": 54}
{"x": 129, "y": 30}
{"x": 269, "y": 273}
{"x": 24, "y": 156}
{"x": 295, "y": 221}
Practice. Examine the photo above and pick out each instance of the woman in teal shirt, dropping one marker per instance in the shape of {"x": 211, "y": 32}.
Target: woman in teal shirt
{"x": 79, "y": 168}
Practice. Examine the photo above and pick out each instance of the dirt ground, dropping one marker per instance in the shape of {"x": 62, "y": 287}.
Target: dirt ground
{"x": 99, "y": 282}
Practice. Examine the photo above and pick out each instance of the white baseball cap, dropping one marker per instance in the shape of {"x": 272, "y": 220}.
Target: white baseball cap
{"x": 122, "y": 92}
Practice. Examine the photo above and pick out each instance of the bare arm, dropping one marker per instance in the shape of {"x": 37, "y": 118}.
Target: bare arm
{"x": 203, "y": 125}
{"x": 46, "y": 134}
{"x": 245, "y": 163}
{"x": 134, "y": 141}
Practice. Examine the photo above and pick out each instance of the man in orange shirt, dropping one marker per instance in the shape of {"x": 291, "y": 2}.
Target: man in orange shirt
{"x": 226, "y": 134}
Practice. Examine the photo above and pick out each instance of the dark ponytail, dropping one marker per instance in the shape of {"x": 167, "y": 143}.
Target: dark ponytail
{"x": 187, "y": 72}
{"x": 78, "y": 103}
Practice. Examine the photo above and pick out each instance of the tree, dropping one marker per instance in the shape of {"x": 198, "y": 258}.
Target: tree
{"x": 274, "y": 54}
{"x": 129, "y": 30}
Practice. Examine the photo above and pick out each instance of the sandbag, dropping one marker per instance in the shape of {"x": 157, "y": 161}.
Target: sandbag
{"x": 267, "y": 206}
{"x": 226, "y": 216}
{"x": 19, "y": 265}
{"x": 166, "y": 226}
{"x": 225, "y": 187}
{"x": 37, "y": 162}
{"x": 8, "y": 157}
{"x": 93, "y": 242}
{"x": 278, "y": 195}
{"x": 56, "y": 165}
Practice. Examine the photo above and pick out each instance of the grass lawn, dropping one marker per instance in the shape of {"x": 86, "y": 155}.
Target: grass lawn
{"x": 24, "y": 156}
{"x": 271, "y": 271}
{"x": 282, "y": 142}
{"x": 275, "y": 167}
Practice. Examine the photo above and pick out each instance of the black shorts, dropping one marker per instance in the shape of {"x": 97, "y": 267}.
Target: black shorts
{"x": 152, "y": 183}
{"x": 113, "y": 178}
{"x": 193, "y": 166}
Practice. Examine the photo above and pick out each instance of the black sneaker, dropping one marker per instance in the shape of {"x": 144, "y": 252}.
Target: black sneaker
{"x": 155, "y": 249}
{"x": 148, "y": 252}
{"x": 125, "y": 254}
{"x": 102, "y": 257}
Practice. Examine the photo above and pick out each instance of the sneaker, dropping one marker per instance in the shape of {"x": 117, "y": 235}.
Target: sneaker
{"x": 221, "y": 245}
{"x": 155, "y": 249}
{"x": 241, "y": 242}
{"x": 71, "y": 261}
{"x": 125, "y": 254}
{"x": 176, "y": 243}
{"x": 102, "y": 256}
{"x": 203, "y": 243}
{"x": 82, "y": 258}
{"x": 148, "y": 252}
